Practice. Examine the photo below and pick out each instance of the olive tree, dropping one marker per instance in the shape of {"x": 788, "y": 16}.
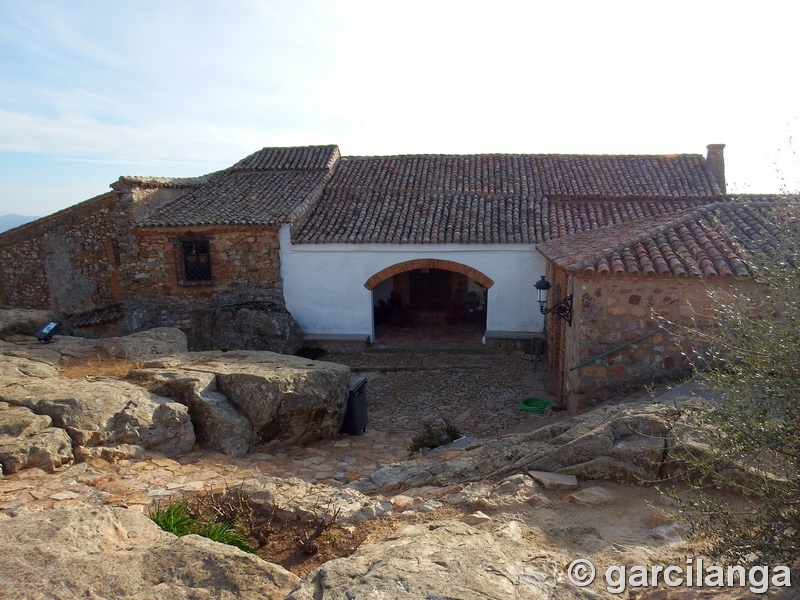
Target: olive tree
{"x": 749, "y": 435}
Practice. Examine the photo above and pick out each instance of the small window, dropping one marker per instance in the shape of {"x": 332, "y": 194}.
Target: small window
{"x": 196, "y": 261}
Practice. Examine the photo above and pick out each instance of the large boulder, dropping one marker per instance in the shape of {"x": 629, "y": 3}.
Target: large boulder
{"x": 28, "y": 440}
{"x": 263, "y": 325}
{"x": 287, "y": 399}
{"x": 106, "y": 411}
{"x": 218, "y": 424}
{"x": 445, "y": 559}
{"x": 82, "y": 552}
{"x": 144, "y": 345}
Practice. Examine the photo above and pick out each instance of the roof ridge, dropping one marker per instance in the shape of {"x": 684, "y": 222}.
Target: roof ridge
{"x": 537, "y": 154}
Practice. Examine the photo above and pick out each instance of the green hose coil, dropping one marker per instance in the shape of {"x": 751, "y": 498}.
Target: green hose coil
{"x": 535, "y": 405}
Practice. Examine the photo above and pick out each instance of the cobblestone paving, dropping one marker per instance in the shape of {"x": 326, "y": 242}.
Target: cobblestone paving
{"x": 480, "y": 393}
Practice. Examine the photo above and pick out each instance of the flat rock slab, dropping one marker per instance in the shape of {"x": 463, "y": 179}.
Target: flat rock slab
{"x": 555, "y": 481}
{"x": 295, "y": 500}
{"x": 445, "y": 560}
{"x": 139, "y": 346}
{"x": 22, "y": 368}
{"x": 98, "y": 552}
{"x": 591, "y": 496}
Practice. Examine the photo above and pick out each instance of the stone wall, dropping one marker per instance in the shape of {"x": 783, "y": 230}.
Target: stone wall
{"x": 609, "y": 312}
{"x": 91, "y": 256}
{"x": 242, "y": 298}
{"x": 67, "y": 262}
{"x": 244, "y": 260}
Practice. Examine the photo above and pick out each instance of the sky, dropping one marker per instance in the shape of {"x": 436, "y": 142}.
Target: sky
{"x": 91, "y": 90}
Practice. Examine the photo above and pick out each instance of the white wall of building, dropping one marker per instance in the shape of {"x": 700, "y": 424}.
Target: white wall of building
{"x": 323, "y": 284}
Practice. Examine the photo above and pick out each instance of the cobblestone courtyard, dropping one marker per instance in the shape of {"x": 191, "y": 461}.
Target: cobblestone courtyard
{"x": 479, "y": 393}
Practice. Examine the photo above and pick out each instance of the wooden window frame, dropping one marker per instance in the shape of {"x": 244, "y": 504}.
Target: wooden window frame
{"x": 181, "y": 246}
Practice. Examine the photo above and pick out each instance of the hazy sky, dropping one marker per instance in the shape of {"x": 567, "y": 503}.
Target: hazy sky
{"x": 91, "y": 90}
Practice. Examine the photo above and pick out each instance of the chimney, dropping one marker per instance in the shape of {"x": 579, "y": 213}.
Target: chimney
{"x": 716, "y": 164}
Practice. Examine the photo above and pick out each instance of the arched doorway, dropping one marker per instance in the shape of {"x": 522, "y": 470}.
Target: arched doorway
{"x": 429, "y": 301}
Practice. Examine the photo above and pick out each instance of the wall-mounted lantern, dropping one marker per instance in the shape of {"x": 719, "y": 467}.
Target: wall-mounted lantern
{"x": 563, "y": 309}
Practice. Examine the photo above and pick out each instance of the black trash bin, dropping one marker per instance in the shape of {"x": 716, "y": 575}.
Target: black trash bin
{"x": 355, "y": 418}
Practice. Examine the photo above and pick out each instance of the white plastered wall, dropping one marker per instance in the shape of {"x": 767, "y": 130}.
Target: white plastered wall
{"x": 323, "y": 284}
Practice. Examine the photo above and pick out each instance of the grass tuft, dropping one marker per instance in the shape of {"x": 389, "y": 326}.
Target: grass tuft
{"x": 178, "y": 518}
{"x": 224, "y": 533}
{"x": 175, "y": 518}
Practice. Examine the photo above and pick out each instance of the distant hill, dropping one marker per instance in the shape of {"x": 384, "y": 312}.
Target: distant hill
{"x": 10, "y": 221}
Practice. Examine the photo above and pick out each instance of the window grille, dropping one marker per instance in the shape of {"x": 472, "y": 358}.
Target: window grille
{"x": 196, "y": 260}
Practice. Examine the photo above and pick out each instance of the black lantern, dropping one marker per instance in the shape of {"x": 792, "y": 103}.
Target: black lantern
{"x": 563, "y": 309}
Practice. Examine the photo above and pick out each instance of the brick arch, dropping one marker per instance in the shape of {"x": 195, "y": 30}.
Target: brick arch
{"x": 428, "y": 263}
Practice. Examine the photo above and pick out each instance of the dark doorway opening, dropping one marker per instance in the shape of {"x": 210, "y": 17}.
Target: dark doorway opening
{"x": 429, "y": 306}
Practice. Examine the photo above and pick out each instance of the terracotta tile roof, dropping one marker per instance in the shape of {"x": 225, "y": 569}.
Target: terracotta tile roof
{"x": 262, "y": 189}
{"x": 561, "y": 218}
{"x": 498, "y": 198}
{"x": 713, "y": 240}
{"x": 303, "y": 158}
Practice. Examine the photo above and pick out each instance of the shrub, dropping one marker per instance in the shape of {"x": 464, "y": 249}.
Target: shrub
{"x": 750, "y": 432}
{"x": 433, "y": 437}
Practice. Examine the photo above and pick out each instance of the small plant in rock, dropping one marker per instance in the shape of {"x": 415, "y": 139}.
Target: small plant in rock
{"x": 225, "y": 533}
{"x": 180, "y": 518}
{"x": 433, "y": 437}
{"x": 175, "y": 518}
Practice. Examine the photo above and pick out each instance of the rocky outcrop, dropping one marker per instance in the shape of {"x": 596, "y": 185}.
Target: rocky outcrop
{"x": 106, "y": 412}
{"x": 511, "y": 492}
{"x": 295, "y": 500}
{"x": 139, "y": 346}
{"x": 83, "y": 552}
{"x": 218, "y": 424}
{"x": 286, "y": 399}
{"x": 230, "y": 402}
{"x": 22, "y": 321}
{"x": 629, "y": 443}
{"x": 444, "y": 559}
{"x": 17, "y": 368}
{"x": 28, "y": 440}
{"x": 264, "y": 325}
